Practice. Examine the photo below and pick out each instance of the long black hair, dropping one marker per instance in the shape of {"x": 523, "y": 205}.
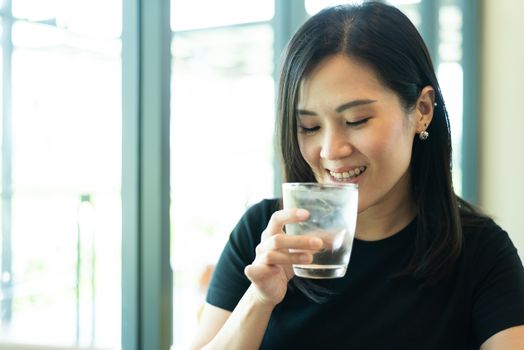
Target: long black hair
{"x": 383, "y": 38}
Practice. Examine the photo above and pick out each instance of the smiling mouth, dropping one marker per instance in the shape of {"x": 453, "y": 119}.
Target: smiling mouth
{"x": 347, "y": 175}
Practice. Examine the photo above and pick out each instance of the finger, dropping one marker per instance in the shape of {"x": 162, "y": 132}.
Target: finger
{"x": 274, "y": 257}
{"x": 282, "y": 217}
{"x": 258, "y": 272}
{"x": 284, "y": 241}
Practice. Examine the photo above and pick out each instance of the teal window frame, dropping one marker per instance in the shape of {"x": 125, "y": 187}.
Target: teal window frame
{"x": 146, "y": 270}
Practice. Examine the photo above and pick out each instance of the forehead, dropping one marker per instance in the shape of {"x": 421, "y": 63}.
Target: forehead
{"x": 337, "y": 78}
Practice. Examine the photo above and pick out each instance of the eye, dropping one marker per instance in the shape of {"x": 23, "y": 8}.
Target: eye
{"x": 357, "y": 123}
{"x": 305, "y": 130}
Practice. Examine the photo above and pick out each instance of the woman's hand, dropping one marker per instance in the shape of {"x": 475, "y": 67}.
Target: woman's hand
{"x": 272, "y": 269}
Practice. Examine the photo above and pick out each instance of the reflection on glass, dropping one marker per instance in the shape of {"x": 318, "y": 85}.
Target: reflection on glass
{"x": 221, "y": 148}
{"x": 65, "y": 195}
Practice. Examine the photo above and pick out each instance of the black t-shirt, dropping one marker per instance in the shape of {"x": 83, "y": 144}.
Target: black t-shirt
{"x": 371, "y": 309}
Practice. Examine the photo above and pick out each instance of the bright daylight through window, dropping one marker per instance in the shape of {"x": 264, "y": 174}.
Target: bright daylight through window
{"x": 222, "y": 128}
{"x": 61, "y": 154}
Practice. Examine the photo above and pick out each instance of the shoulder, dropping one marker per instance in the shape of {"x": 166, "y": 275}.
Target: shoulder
{"x": 478, "y": 228}
{"x": 247, "y": 232}
{"x": 256, "y": 217}
{"x": 483, "y": 234}
{"x": 262, "y": 210}
{"x": 491, "y": 258}
{"x": 495, "y": 276}
{"x": 229, "y": 283}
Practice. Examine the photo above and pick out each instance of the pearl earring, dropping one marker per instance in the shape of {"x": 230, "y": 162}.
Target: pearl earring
{"x": 423, "y": 135}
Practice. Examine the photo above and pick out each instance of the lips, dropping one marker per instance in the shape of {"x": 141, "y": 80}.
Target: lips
{"x": 347, "y": 174}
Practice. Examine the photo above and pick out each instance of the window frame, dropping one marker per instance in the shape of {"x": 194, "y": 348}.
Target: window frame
{"x": 146, "y": 269}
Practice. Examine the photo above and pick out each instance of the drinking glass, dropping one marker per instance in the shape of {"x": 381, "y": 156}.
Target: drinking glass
{"x": 332, "y": 217}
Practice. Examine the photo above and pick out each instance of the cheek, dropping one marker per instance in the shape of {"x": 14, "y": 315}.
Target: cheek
{"x": 310, "y": 152}
{"x": 393, "y": 148}
{"x": 372, "y": 144}
{"x": 306, "y": 149}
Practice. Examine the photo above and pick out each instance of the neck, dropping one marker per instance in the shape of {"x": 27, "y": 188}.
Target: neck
{"x": 393, "y": 212}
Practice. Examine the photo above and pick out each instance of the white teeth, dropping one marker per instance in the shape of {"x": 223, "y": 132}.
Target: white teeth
{"x": 348, "y": 174}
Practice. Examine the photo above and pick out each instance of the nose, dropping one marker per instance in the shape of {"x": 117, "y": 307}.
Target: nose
{"x": 335, "y": 145}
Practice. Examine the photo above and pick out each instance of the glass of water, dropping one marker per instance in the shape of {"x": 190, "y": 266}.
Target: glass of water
{"x": 332, "y": 217}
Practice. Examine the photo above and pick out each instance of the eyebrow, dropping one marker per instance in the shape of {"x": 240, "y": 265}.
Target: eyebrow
{"x": 340, "y": 108}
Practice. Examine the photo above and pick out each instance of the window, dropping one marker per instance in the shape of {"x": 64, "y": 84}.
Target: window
{"x": 61, "y": 157}
{"x": 221, "y": 141}
{"x": 451, "y": 79}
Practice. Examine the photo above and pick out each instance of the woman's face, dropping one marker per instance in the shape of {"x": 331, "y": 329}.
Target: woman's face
{"x": 353, "y": 129}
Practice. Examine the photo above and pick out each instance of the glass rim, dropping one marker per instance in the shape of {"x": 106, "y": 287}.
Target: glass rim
{"x": 319, "y": 185}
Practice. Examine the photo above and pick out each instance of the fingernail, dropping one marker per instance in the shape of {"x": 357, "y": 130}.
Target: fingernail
{"x": 315, "y": 242}
{"x": 301, "y": 213}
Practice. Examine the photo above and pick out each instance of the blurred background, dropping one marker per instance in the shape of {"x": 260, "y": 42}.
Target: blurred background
{"x": 135, "y": 133}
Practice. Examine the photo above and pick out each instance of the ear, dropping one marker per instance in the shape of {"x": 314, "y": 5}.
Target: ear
{"x": 424, "y": 108}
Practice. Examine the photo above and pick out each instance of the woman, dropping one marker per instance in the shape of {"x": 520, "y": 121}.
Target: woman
{"x": 359, "y": 102}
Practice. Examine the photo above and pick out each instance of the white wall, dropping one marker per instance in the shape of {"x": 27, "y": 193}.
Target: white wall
{"x": 502, "y": 116}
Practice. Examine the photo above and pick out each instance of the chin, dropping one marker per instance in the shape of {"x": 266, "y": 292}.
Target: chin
{"x": 363, "y": 203}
